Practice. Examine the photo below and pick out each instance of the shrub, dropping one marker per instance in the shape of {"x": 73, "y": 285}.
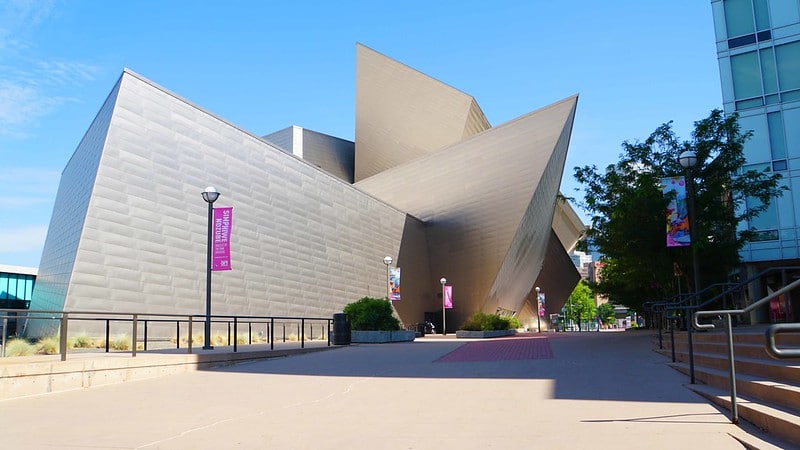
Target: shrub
{"x": 82, "y": 341}
{"x": 48, "y": 345}
{"x": 19, "y": 347}
{"x": 121, "y": 342}
{"x": 372, "y": 314}
{"x": 487, "y": 322}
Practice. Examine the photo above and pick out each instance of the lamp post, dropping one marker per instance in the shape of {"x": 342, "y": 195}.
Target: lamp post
{"x": 444, "y": 319}
{"x": 210, "y": 195}
{"x": 538, "y": 320}
{"x": 388, "y": 260}
{"x": 688, "y": 160}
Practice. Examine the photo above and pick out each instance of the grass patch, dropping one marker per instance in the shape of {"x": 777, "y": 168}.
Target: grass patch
{"x": 48, "y": 345}
{"x": 121, "y": 342}
{"x": 19, "y": 347}
{"x": 82, "y": 341}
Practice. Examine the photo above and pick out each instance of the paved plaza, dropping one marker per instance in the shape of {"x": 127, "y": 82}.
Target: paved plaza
{"x": 548, "y": 391}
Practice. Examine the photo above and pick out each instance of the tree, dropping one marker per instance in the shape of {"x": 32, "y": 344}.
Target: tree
{"x": 628, "y": 210}
{"x": 606, "y": 313}
{"x": 580, "y": 305}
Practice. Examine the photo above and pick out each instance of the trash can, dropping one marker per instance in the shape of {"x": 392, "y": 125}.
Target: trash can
{"x": 341, "y": 329}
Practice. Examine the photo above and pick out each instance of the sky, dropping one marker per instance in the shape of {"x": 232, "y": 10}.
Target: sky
{"x": 265, "y": 65}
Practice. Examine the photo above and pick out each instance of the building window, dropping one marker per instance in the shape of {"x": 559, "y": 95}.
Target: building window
{"x": 777, "y": 142}
{"x": 746, "y": 75}
{"x": 767, "y": 221}
{"x": 787, "y": 58}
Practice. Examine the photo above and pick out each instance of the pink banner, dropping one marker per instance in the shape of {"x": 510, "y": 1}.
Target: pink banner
{"x": 448, "y": 296}
{"x": 221, "y": 251}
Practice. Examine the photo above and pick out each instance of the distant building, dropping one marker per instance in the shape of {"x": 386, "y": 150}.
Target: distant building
{"x": 16, "y": 292}
{"x": 582, "y": 262}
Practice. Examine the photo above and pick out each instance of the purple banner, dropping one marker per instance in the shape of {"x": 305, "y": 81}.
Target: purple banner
{"x": 221, "y": 251}
{"x": 541, "y": 304}
{"x": 394, "y": 283}
{"x": 448, "y": 296}
{"x": 677, "y": 212}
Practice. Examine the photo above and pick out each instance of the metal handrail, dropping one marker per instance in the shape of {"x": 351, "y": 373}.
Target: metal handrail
{"x": 772, "y": 347}
{"x": 65, "y": 316}
{"x": 728, "y": 330}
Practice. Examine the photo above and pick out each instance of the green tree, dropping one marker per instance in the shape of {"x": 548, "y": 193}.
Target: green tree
{"x": 606, "y": 313}
{"x": 628, "y": 210}
{"x": 580, "y": 305}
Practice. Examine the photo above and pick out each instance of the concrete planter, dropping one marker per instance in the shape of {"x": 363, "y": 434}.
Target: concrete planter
{"x": 381, "y": 337}
{"x": 484, "y": 334}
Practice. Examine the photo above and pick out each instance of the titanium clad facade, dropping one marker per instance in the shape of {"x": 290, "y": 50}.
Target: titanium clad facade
{"x": 489, "y": 204}
{"x": 331, "y": 154}
{"x": 402, "y": 114}
{"x": 304, "y": 244}
{"x": 440, "y": 192}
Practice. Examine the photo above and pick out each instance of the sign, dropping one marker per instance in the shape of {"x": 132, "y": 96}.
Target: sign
{"x": 540, "y": 304}
{"x": 678, "y": 234}
{"x": 221, "y": 248}
{"x": 394, "y": 283}
{"x": 448, "y": 296}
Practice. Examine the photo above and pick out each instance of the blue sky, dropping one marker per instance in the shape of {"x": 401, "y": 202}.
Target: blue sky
{"x": 265, "y": 65}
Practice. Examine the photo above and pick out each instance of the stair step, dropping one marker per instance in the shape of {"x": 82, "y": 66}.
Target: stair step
{"x": 784, "y": 395}
{"x": 776, "y": 370}
{"x": 774, "y": 420}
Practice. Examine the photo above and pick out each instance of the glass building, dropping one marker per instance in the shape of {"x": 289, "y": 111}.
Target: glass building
{"x": 758, "y": 48}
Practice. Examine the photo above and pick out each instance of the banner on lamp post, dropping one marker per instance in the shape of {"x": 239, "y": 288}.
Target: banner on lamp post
{"x": 394, "y": 283}
{"x": 678, "y": 234}
{"x": 541, "y": 304}
{"x": 448, "y": 296}
{"x": 221, "y": 249}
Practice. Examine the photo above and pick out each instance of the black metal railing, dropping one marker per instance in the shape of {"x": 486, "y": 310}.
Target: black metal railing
{"x": 134, "y": 320}
{"x": 771, "y": 332}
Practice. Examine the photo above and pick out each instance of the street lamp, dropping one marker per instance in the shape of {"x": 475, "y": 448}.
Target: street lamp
{"x": 538, "y": 320}
{"x": 210, "y": 195}
{"x": 444, "y": 319}
{"x": 688, "y": 160}
{"x": 388, "y": 260}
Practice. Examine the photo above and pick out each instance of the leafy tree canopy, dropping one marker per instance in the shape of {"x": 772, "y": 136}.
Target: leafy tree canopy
{"x": 580, "y": 305}
{"x": 628, "y": 219}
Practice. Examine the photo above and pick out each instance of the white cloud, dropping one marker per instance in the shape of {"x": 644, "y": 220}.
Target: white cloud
{"x": 29, "y": 83}
{"x": 30, "y": 187}
{"x": 24, "y": 239}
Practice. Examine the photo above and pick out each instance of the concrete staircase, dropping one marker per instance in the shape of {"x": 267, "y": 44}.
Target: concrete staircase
{"x": 768, "y": 390}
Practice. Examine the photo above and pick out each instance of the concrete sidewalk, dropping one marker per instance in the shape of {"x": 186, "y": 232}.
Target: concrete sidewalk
{"x": 590, "y": 390}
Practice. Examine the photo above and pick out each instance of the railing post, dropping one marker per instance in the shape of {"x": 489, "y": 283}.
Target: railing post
{"x": 672, "y": 336}
{"x": 134, "y": 334}
{"x": 732, "y": 370}
{"x": 271, "y": 333}
{"x": 329, "y": 322}
{"x": 235, "y": 334}
{"x": 190, "y": 335}
{"x": 108, "y": 334}
{"x": 63, "y": 338}
{"x": 145, "y": 335}
{"x": 689, "y": 326}
{"x": 249, "y": 333}
{"x": 284, "y": 331}
{"x": 5, "y": 334}
{"x": 178, "y": 333}
{"x": 229, "y": 332}
{"x": 302, "y": 333}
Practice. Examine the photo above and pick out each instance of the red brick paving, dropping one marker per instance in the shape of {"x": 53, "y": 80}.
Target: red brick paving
{"x": 510, "y": 349}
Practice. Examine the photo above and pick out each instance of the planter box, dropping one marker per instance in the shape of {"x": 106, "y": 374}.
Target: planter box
{"x": 484, "y": 334}
{"x": 381, "y": 337}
